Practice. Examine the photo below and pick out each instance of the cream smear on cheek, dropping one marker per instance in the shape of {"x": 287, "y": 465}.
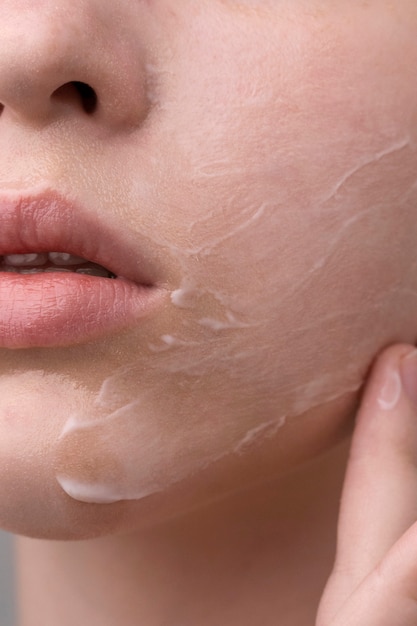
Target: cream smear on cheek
{"x": 281, "y": 245}
{"x": 214, "y": 385}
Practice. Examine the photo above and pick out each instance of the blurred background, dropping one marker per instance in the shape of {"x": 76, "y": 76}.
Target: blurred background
{"x": 7, "y": 601}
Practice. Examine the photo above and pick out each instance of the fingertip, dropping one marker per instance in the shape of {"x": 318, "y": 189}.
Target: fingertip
{"x": 394, "y": 373}
{"x": 385, "y": 395}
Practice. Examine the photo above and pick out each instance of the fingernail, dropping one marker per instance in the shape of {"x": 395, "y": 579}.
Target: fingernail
{"x": 408, "y": 369}
{"x": 391, "y": 390}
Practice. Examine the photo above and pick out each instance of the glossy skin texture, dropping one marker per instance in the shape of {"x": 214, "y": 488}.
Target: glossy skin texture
{"x": 265, "y": 155}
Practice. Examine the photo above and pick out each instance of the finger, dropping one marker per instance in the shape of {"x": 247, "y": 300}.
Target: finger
{"x": 379, "y": 500}
{"x": 388, "y": 596}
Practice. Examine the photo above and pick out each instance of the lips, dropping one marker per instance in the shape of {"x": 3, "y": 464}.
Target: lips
{"x": 52, "y": 308}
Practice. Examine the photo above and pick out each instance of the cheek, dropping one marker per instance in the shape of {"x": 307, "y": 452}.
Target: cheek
{"x": 294, "y": 243}
{"x": 244, "y": 354}
{"x": 296, "y": 222}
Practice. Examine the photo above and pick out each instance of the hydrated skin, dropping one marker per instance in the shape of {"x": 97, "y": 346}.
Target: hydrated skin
{"x": 274, "y": 180}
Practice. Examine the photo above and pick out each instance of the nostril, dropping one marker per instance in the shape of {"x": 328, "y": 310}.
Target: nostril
{"x": 88, "y": 96}
{"x": 83, "y": 92}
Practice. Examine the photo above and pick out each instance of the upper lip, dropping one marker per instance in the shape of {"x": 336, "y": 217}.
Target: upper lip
{"x": 46, "y": 221}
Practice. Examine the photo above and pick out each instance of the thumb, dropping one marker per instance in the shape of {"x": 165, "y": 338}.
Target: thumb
{"x": 379, "y": 500}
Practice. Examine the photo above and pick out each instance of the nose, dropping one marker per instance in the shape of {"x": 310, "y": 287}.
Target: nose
{"x": 78, "y": 57}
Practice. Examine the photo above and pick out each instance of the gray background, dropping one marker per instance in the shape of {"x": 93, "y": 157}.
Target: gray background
{"x": 7, "y": 602}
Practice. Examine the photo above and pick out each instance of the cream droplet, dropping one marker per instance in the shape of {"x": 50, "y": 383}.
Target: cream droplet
{"x": 87, "y": 492}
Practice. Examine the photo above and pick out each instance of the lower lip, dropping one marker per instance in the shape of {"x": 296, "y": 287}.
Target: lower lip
{"x": 48, "y": 310}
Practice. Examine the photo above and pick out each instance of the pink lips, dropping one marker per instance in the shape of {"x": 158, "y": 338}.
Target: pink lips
{"x": 54, "y": 309}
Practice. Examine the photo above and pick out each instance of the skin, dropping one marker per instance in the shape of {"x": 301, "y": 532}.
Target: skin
{"x": 264, "y": 156}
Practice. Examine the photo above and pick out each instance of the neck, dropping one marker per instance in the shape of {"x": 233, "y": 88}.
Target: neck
{"x": 257, "y": 558}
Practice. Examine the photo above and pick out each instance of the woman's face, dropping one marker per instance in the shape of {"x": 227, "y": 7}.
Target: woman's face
{"x": 260, "y": 158}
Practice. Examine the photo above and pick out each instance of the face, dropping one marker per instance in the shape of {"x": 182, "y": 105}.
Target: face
{"x": 248, "y": 166}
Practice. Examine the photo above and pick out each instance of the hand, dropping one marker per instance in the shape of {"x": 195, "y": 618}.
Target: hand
{"x": 374, "y": 580}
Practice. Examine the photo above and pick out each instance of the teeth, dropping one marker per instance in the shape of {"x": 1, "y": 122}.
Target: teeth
{"x": 50, "y": 270}
{"x": 35, "y": 263}
{"x": 34, "y": 270}
{"x": 63, "y": 258}
{"x": 24, "y": 260}
{"x": 94, "y": 271}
